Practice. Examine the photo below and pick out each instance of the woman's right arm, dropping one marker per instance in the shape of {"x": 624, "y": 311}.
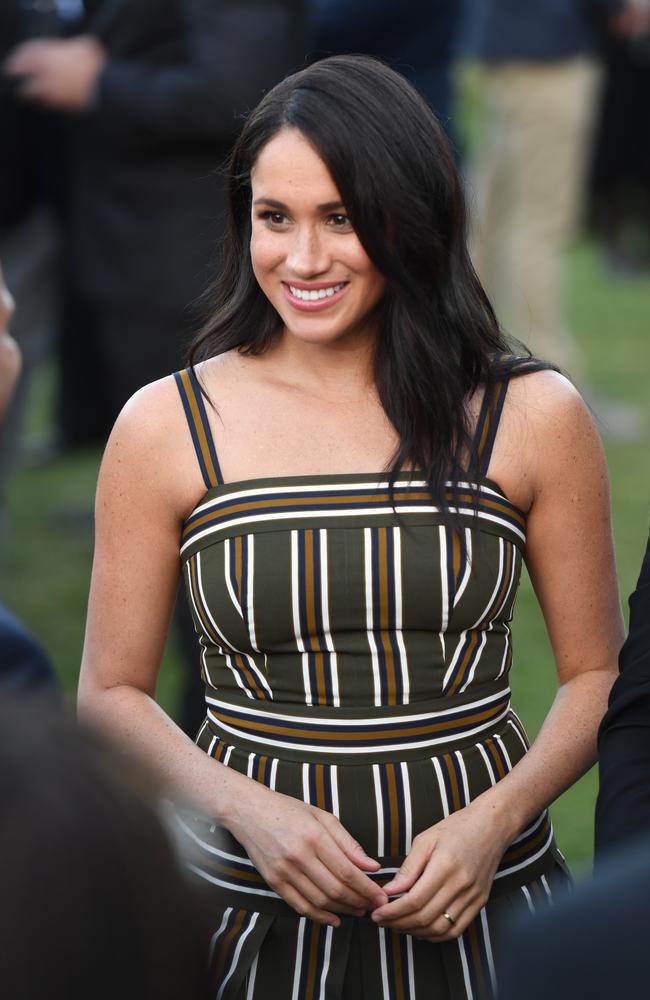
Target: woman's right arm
{"x": 142, "y": 497}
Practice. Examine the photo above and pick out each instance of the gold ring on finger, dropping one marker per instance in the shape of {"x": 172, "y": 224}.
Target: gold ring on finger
{"x": 449, "y": 917}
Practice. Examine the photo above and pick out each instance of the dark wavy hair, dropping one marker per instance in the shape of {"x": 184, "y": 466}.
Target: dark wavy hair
{"x": 390, "y": 159}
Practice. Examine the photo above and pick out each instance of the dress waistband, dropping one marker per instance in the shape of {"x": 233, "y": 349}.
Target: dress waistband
{"x": 302, "y": 732}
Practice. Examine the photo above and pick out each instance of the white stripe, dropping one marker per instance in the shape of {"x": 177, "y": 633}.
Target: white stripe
{"x": 250, "y": 985}
{"x": 369, "y": 486}
{"x": 411, "y": 970}
{"x": 529, "y": 861}
{"x": 249, "y": 768}
{"x": 367, "y": 538}
{"x": 463, "y": 772}
{"x": 528, "y": 898}
{"x": 488, "y": 949}
{"x": 531, "y": 829}
{"x": 325, "y": 612}
{"x": 334, "y": 778}
{"x": 235, "y": 958}
{"x": 497, "y": 739}
{"x": 216, "y": 936}
{"x": 441, "y": 786}
{"x": 250, "y": 582}
{"x": 444, "y": 579}
{"x": 381, "y": 721}
{"x": 463, "y": 962}
{"x": 251, "y": 663}
{"x": 468, "y": 567}
{"x": 227, "y": 755}
{"x": 488, "y": 763}
{"x": 305, "y": 783}
{"x": 387, "y": 748}
{"x": 380, "y": 810}
{"x": 295, "y": 606}
{"x": 202, "y": 640}
{"x": 476, "y": 659}
{"x": 360, "y": 512}
{"x": 483, "y": 639}
{"x": 226, "y": 566}
{"x": 404, "y": 667}
{"x": 299, "y": 948}
{"x": 384, "y": 964}
{"x": 516, "y": 729}
{"x": 326, "y": 963}
{"x": 274, "y": 774}
{"x": 213, "y": 880}
{"x": 408, "y": 807}
{"x": 547, "y": 889}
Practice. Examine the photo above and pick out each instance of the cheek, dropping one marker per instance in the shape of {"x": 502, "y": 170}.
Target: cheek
{"x": 265, "y": 253}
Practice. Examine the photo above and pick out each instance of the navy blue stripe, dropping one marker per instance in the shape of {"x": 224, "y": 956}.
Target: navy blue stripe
{"x": 206, "y": 425}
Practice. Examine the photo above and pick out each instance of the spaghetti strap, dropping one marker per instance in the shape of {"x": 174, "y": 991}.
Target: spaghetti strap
{"x": 197, "y": 419}
{"x": 490, "y": 415}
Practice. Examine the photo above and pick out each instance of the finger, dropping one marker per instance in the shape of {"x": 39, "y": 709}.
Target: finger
{"x": 412, "y": 868}
{"x": 420, "y": 895}
{"x": 350, "y": 847}
{"x": 349, "y": 875}
{"x": 304, "y": 908}
{"x": 334, "y": 888}
{"x": 311, "y": 887}
{"x": 431, "y": 923}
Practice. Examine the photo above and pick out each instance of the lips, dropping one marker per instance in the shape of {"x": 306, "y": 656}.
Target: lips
{"x": 314, "y": 297}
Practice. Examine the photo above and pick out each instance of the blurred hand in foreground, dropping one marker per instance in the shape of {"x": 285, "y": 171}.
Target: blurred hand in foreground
{"x": 57, "y": 73}
{"x": 633, "y": 20}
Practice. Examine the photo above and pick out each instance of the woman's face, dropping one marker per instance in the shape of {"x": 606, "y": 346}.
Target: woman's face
{"x": 305, "y": 254}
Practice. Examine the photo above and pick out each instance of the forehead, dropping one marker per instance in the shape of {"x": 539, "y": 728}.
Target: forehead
{"x": 288, "y": 167}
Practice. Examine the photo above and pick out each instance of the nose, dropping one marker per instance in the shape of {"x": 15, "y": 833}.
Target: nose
{"x": 308, "y": 256}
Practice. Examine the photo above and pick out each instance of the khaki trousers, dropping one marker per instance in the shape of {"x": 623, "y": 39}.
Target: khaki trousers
{"x": 527, "y": 186}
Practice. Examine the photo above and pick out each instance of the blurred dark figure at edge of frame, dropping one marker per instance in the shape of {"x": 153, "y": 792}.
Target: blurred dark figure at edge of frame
{"x": 594, "y": 944}
{"x": 159, "y": 88}
{"x": 94, "y": 900}
{"x": 25, "y": 668}
{"x": 415, "y": 37}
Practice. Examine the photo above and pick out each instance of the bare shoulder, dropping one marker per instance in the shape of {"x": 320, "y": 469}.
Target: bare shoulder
{"x": 546, "y": 440}
{"x": 555, "y": 431}
{"x": 150, "y": 449}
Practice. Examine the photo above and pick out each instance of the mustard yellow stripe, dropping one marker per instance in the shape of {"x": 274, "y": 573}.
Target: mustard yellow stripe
{"x": 199, "y": 427}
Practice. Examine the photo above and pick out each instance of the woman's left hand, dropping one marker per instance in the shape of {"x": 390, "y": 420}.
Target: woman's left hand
{"x": 449, "y": 870}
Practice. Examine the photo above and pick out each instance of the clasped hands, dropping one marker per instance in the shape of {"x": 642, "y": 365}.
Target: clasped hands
{"x": 317, "y": 867}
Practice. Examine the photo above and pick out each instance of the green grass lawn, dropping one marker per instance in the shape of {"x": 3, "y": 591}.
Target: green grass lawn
{"x": 49, "y": 548}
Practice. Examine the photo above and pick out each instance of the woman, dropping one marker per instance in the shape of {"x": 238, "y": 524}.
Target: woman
{"x": 351, "y": 538}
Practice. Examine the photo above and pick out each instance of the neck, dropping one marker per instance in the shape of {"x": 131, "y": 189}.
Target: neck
{"x": 343, "y": 368}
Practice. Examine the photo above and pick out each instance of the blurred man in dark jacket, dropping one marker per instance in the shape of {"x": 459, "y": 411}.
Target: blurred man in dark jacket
{"x": 160, "y": 86}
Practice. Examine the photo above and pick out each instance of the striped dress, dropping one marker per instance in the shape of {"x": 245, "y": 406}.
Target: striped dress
{"x": 356, "y": 655}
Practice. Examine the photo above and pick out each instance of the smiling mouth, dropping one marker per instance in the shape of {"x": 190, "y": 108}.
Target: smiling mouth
{"x": 316, "y": 294}
{"x": 316, "y": 297}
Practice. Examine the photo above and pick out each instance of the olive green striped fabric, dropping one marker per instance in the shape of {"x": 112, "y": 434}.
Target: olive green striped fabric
{"x": 355, "y": 649}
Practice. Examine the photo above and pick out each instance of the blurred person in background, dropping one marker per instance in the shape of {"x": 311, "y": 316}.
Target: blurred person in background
{"x": 34, "y": 145}
{"x": 620, "y": 170}
{"x": 539, "y": 84}
{"x": 158, "y": 87}
{"x": 94, "y": 901}
{"x": 353, "y": 469}
{"x": 623, "y": 808}
{"x": 24, "y": 666}
{"x": 416, "y": 37}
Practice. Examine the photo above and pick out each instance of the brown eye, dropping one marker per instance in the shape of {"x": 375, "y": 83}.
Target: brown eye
{"x": 340, "y": 221}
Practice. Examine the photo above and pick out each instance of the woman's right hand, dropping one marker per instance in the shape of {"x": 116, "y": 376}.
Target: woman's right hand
{"x": 305, "y": 854}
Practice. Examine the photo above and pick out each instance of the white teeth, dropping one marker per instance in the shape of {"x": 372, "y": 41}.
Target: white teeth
{"x": 312, "y": 295}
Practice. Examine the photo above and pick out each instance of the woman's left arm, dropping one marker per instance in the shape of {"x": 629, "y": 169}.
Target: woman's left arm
{"x": 570, "y": 558}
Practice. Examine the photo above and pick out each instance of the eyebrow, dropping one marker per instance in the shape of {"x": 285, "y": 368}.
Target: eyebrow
{"x": 327, "y": 206}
